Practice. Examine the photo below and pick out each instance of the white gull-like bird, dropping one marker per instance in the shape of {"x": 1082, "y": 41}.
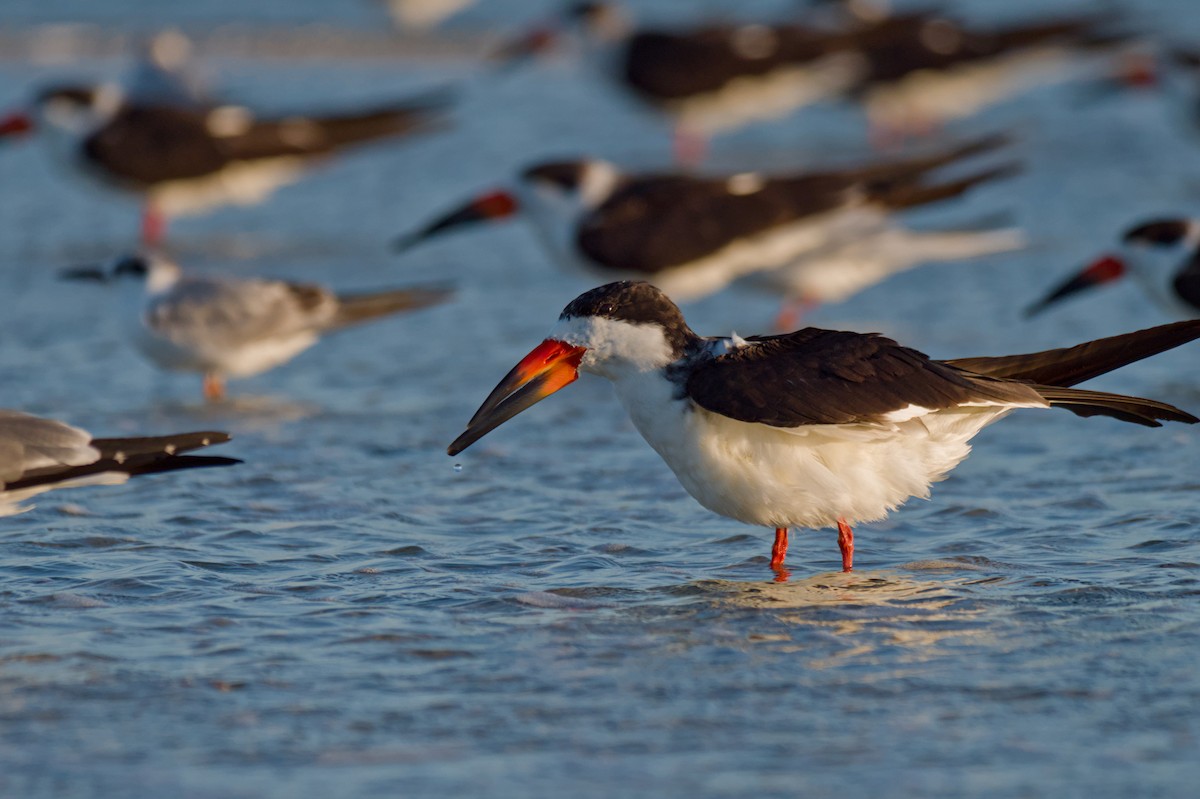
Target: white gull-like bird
{"x": 226, "y": 327}
{"x": 816, "y": 428}
{"x": 39, "y": 455}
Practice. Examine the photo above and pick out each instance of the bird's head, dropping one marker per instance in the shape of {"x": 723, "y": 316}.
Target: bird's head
{"x": 552, "y": 192}
{"x": 1152, "y": 252}
{"x": 616, "y": 331}
{"x": 141, "y": 272}
{"x": 582, "y": 183}
{"x": 76, "y": 109}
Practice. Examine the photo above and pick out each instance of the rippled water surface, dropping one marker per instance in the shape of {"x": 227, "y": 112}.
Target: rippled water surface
{"x": 350, "y": 614}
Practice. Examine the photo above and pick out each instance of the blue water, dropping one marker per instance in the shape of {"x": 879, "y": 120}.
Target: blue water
{"x": 348, "y": 614}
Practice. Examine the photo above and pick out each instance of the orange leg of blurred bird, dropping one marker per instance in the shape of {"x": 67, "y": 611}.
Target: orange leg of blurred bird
{"x": 154, "y": 226}
{"x": 792, "y": 311}
{"x": 689, "y": 147}
{"x": 214, "y": 387}
{"x": 846, "y": 544}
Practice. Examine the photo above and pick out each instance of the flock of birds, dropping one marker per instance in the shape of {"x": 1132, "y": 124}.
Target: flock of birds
{"x": 812, "y": 428}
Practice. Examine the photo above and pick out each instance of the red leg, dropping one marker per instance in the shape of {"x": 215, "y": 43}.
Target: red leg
{"x": 154, "y": 226}
{"x": 689, "y": 147}
{"x": 778, "y": 553}
{"x": 846, "y": 544}
{"x": 792, "y": 311}
{"x": 214, "y": 387}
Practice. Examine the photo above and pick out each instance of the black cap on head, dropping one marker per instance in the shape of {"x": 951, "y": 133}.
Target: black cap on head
{"x": 567, "y": 175}
{"x": 75, "y": 94}
{"x": 131, "y": 266}
{"x": 1160, "y": 232}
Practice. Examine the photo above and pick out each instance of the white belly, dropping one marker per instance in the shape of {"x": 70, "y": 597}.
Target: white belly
{"x": 803, "y": 477}
{"x": 194, "y": 355}
{"x": 931, "y": 96}
{"x": 839, "y": 271}
{"x": 771, "y": 96}
{"x": 243, "y": 183}
{"x": 770, "y": 250}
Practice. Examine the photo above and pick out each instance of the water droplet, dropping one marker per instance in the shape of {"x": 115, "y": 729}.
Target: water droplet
{"x": 458, "y": 467}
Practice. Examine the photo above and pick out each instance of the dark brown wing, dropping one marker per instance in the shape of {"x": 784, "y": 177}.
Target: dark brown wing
{"x": 143, "y": 146}
{"x": 1070, "y": 365}
{"x": 311, "y": 136}
{"x": 916, "y": 43}
{"x": 816, "y": 376}
{"x": 657, "y": 222}
{"x": 133, "y": 456}
{"x": 664, "y": 66}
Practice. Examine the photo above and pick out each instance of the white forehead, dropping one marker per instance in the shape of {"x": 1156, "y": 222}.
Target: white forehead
{"x": 642, "y": 346}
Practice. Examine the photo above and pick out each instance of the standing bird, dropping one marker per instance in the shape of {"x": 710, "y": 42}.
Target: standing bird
{"x": 692, "y": 236}
{"x": 228, "y": 327}
{"x": 922, "y": 70}
{"x": 1162, "y": 255}
{"x": 710, "y": 78}
{"x": 38, "y": 455}
{"x": 911, "y": 71}
{"x": 815, "y": 428}
{"x": 183, "y": 159}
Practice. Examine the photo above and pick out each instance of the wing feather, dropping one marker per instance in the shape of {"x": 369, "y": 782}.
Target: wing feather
{"x": 818, "y": 376}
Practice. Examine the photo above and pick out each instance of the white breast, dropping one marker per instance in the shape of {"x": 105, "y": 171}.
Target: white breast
{"x": 770, "y": 96}
{"x": 240, "y": 183}
{"x": 800, "y": 477}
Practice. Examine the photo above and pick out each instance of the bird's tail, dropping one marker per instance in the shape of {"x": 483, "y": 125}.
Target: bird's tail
{"x": 1053, "y": 372}
{"x": 133, "y": 456}
{"x": 413, "y": 115}
{"x": 898, "y": 195}
{"x": 355, "y": 308}
{"x": 1094, "y": 30}
{"x": 917, "y": 166}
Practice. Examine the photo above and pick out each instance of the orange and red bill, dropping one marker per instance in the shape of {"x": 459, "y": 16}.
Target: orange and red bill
{"x": 553, "y": 365}
{"x": 492, "y": 205}
{"x": 1101, "y": 271}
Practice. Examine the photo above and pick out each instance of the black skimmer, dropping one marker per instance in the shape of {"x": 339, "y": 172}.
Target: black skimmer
{"x": 236, "y": 327}
{"x": 912, "y": 71}
{"x": 816, "y": 428}
{"x": 711, "y": 78}
{"x": 1162, "y": 255}
{"x": 38, "y": 455}
{"x": 184, "y": 160}
{"x": 924, "y": 69}
{"x": 692, "y": 235}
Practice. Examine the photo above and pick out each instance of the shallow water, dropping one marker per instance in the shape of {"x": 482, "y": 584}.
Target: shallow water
{"x": 349, "y": 614}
